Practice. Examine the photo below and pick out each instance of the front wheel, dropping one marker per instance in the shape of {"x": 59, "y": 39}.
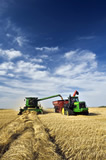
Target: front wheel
{"x": 70, "y": 112}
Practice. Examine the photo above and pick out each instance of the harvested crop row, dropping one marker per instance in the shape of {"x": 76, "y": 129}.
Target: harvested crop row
{"x": 78, "y": 137}
{"x": 26, "y": 138}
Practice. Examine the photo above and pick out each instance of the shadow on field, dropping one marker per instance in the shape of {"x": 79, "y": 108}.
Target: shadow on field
{"x": 94, "y": 114}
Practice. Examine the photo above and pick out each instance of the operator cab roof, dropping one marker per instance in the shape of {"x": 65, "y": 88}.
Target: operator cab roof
{"x": 31, "y": 97}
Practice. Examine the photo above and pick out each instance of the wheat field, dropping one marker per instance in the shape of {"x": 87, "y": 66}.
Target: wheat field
{"x": 53, "y": 136}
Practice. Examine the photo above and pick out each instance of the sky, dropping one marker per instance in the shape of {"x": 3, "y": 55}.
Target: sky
{"x": 50, "y": 47}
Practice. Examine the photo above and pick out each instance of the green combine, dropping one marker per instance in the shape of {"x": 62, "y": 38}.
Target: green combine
{"x": 32, "y": 104}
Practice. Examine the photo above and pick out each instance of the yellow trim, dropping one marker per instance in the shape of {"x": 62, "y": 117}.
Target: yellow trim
{"x": 31, "y": 108}
{"x": 67, "y": 113}
{"x": 62, "y": 111}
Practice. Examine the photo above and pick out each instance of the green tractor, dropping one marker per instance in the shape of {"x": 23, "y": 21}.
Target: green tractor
{"x": 71, "y": 106}
{"x": 32, "y": 104}
{"x": 74, "y": 106}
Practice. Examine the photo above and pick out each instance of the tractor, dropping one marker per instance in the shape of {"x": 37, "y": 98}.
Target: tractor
{"x": 71, "y": 106}
{"x": 32, "y": 104}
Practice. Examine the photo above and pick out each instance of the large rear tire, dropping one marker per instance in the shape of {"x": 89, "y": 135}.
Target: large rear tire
{"x": 56, "y": 109}
{"x": 86, "y": 113}
{"x": 71, "y": 113}
{"x": 67, "y": 112}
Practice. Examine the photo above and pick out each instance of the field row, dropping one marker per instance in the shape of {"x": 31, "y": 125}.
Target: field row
{"x": 53, "y": 136}
{"x": 79, "y": 137}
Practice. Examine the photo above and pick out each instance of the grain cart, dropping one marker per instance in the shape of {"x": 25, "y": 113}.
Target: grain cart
{"x": 71, "y": 106}
{"x": 32, "y": 104}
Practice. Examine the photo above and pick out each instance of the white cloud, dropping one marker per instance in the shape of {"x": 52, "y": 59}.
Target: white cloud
{"x": 72, "y": 70}
{"x": 7, "y": 65}
{"x": 70, "y": 54}
{"x": 86, "y": 37}
{"x": 39, "y": 49}
{"x": 48, "y": 49}
{"x": 10, "y": 75}
{"x": 80, "y": 56}
{"x": 22, "y": 66}
{"x": 20, "y": 40}
{"x": 44, "y": 56}
{"x": 2, "y": 73}
{"x": 13, "y": 33}
{"x": 63, "y": 70}
{"x": 36, "y": 60}
{"x": 78, "y": 69}
{"x": 8, "y": 35}
{"x": 77, "y": 62}
{"x": 10, "y": 54}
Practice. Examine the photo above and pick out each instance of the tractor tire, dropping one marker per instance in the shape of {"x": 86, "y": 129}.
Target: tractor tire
{"x": 86, "y": 113}
{"x": 67, "y": 112}
{"x": 70, "y": 112}
{"x": 56, "y": 109}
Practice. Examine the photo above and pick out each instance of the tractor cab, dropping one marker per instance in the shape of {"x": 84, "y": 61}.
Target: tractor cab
{"x": 74, "y": 99}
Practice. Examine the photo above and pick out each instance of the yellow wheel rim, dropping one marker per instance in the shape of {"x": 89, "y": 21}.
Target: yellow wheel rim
{"x": 67, "y": 113}
{"x": 63, "y": 111}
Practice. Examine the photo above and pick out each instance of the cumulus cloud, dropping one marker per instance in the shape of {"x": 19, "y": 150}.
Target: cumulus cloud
{"x": 10, "y": 54}
{"x": 80, "y": 71}
{"x": 7, "y": 65}
{"x": 77, "y": 62}
{"x": 48, "y": 49}
{"x": 76, "y": 70}
{"x": 70, "y": 54}
{"x": 22, "y": 64}
{"x": 80, "y": 56}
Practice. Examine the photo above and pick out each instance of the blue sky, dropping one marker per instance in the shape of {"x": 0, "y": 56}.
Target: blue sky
{"x": 50, "y": 47}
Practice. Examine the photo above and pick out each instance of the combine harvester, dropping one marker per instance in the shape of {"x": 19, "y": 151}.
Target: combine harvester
{"x": 32, "y": 104}
{"x": 71, "y": 106}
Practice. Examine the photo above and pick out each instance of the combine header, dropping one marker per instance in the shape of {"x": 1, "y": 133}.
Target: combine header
{"x": 32, "y": 104}
{"x": 71, "y": 106}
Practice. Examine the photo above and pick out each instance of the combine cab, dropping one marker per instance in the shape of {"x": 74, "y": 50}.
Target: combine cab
{"x": 71, "y": 106}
